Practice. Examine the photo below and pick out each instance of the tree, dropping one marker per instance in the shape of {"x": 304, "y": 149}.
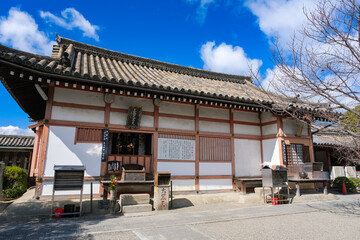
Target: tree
{"x": 322, "y": 62}
{"x": 321, "y": 65}
{"x": 351, "y": 121}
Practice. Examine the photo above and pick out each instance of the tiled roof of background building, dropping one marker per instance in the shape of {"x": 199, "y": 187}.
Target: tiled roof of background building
{"x": 15, "y": 141}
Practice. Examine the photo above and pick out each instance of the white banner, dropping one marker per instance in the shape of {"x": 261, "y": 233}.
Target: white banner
{"x": 176, "y": 149}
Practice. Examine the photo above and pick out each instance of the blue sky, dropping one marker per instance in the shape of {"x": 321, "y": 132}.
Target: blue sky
{"x": 218, "y": 35}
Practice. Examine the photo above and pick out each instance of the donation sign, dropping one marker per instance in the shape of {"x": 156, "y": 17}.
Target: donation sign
{"x": 176, "y": 149}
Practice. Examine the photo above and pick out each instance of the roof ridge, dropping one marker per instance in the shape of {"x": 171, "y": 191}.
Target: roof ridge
{"x": 16, "y": 136}
{"x": 154, "y": 63}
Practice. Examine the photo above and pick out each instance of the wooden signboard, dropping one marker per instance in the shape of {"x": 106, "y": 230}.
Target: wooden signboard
{"x": 113, "y": 166}
{"x": 105, "y": 144}
{"x": 176, "y": 149}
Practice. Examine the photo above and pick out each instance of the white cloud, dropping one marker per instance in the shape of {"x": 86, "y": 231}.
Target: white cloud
{"x": 280, "y": 18}
{"x": 14, "y": 130}
{"x": 20, "y": 31}
{"x": 71, "y": 19}
{"x": 202, "y": 9}
{"x": 95, "y": 150}
{"x": 227, "y": 59}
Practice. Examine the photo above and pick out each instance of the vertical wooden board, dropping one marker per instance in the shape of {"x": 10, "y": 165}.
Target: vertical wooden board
{"x": 148, "y": 165}
{"x": 111, "y": 158}
{"x": 126, "y": 160}
{"x": 141, "y": 160}
{"x": 133, "y": 160}
{"x": 103, "y": 169}
{"x": 119, "y": 158}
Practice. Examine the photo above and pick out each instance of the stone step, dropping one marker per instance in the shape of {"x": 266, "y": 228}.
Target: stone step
{"x": 136, "y": 208}
{"x": 134, "y": 199}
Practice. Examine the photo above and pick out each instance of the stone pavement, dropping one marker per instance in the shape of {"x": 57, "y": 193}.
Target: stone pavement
{"x": 336, "y": 219}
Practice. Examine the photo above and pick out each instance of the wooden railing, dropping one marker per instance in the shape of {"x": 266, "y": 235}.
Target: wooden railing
{"x": 143, "y": 160}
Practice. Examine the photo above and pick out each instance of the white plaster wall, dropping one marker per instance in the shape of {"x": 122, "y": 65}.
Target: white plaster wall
{"x": 47, "y": 189}
{"x": 214, "y": 127}
{"x": 215, "y": 168}
{"x": 247, "y": 157}
{"x": 175, "y": 123}
{"x": 215, "y": 184}
{"x": 120, "y": 118}
{"x": 267, "y": 117}
{"x": 269, "y": 129}
{"x": 126, "y": 102}
{"x": 218, "y": 113}
{"x": 177, "y": 108}
{"x": 271, "y": 152}
{"x": 80, "y": 97}
{"x": 246, "y": 116}
{"x": 177, "y": 168}
{"x": 247, "y": 129}
{"x": 183, "y": 185}
{"x": 61, "y": 150}
{"x": 77, "y": 114}
{"x": 290, "y": 127}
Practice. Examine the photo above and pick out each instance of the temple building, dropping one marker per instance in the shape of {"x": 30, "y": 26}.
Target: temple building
{"x": 91, "y": 106}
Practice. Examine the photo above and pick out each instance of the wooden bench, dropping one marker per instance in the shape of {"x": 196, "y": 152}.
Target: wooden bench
{"x": 242, "y": 182}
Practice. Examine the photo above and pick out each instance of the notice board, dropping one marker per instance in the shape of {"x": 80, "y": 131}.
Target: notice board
{"x": 176, "y": 149}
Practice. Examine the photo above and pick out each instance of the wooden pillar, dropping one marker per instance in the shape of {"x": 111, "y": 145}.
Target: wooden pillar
{"x": 280, "y": 138}
{"x": 261, "y": 141}
{"x": 197, "y": 148}
{"x": 49, "y": 102}
{"x": 328, "y": 158}
{"x": 107, "y": 114}
{"x": 311, "y": 146}
{"x": 232, "y": 148}
{"x": 155, "y": 136}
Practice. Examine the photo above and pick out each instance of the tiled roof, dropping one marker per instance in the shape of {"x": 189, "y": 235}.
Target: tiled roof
{"x": 15, "y": 141}
{"x": 335, "y": 139}
{"x": 82, "y": 61}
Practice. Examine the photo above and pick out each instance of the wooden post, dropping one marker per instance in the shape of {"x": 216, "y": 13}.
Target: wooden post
{"x": 197, "y": 148}
{"x": 232, "y": 147}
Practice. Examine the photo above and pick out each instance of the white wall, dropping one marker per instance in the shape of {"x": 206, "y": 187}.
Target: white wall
{"x": 47, "y": 189}
{"x": 61, "y": 150}
{"x": 290, "y": 126}
{"x": 269, "y": 129}
{"x": 267, "y": 117}
{"x": 177, "y": 168}
{"x": 247, "y": 129}
{"x": 214, "y": 127}
{"x": 246, "y": 116}
{"x": 218, "y": 113}
{"x": 215, "y": 184}
{"x": 120, "y": 118}
{"x": 77, "y": 114}
{"x": 247, "y": 157}
{"x": 207, "y": 168}
{"x": 68, "y": 95}
{"x": 183, "y": 185}
{"x": 271, "y": 152}
{"x": 126, "y": 102}
{"x": 177, "y": 108}
{"x": 175, "y": 123}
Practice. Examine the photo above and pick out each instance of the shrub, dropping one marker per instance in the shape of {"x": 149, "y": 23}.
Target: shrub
{"x": 350, "y": 183}
{"x": 15, "y": 182}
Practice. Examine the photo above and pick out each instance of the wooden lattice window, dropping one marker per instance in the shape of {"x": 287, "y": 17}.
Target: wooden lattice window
{"x": 215, "y": 149}
{"x": 297, "y": 154}
{"x": 88, "y": 135}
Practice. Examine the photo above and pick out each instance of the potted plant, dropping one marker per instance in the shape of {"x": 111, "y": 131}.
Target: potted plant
{"x": 113, "y": 184}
